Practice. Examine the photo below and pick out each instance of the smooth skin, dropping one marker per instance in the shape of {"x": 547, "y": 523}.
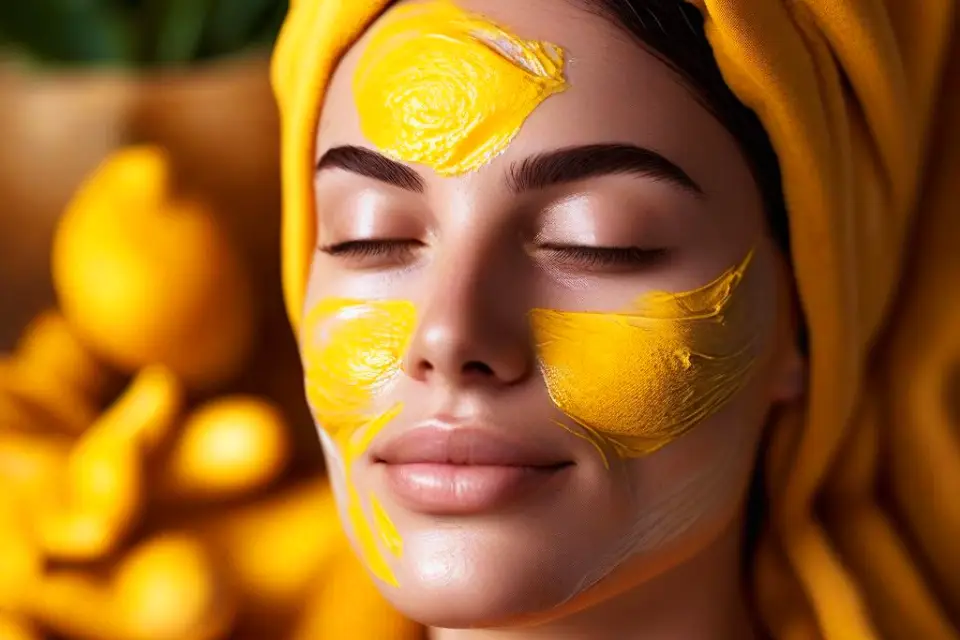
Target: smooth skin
{"x": 650, "y": 547}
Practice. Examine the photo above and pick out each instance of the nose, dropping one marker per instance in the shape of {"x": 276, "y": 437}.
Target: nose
{"x": 472, "y": 331}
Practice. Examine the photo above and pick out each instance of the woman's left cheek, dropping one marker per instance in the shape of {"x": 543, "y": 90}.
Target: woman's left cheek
{"x": 634, "y": 382}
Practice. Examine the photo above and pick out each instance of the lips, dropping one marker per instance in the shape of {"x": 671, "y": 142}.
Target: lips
{"x": 440, "y": 443}
{"x": 444, "y": 469}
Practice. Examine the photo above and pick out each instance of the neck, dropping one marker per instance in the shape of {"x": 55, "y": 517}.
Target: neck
{"x": 693, "y": 601}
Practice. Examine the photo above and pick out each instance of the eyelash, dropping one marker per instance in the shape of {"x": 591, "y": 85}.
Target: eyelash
{"x": 606, "y": 256}
{"x": 581, "y": 255}
{"x": 372, "y": 248}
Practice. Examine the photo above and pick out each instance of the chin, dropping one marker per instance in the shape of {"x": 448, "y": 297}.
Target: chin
{"x": 462, "y": 578}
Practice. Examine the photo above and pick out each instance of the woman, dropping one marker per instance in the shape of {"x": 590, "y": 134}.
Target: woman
{"x": 554, "y": 330}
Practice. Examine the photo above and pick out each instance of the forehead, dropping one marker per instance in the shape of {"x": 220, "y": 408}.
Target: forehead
{"x": 617, "y": 91}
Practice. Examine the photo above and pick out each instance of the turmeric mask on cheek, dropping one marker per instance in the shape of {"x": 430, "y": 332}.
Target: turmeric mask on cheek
{"x": 352, "y": 352}
{"x": 638, "y": 380}
{"x": 447, "y": 89}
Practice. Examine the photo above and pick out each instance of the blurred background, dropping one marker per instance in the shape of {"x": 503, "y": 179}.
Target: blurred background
{"x": 159, "y": 472}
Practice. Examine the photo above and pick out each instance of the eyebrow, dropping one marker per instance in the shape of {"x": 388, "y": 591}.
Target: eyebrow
{"x": 371, "y": 164}
{"x": 561, "y": 166}
{"x": 572, "y": 164}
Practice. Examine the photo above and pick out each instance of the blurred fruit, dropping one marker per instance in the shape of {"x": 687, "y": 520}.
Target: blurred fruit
{"x": 148, "y": 278}
{"x": 30, "y": 462}
{"x": 147, "y": 410}
{"x": 18, "y": 413}
{"x": 227, "y": 447}
{"x": 14, "y": 628}
{"x": 346, "y": 604}
{"x": 20, "y": 558}
{"x": 274, "y": 549}
{"x": 56, "y": 374}
{"x": 74, "y": 606}
{"x": 166, "y": 588}
{"x": 51, "y": 347}
{"x": 169, "y": 589}
{"x": 52, "y": 404}
{"x": 94, "y": 505}
{"x": 100, "y": 492}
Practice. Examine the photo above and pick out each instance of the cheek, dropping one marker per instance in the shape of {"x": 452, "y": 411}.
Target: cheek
{"x": 680, "y": 501}
{"x": 351, "y": 352}
{"x": 690, "y": 492}
{"x": 702, "y": 494}
{"x": 700, "y": 481}
{"x": 351, "y": 355}
{"x": 635, "y": 382}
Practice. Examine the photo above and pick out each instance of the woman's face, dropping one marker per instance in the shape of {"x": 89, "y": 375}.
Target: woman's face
{"x": 513, "y": 419}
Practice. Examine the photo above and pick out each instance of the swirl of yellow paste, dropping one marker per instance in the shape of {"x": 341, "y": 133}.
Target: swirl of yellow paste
{"x": 637, "y": 381}
{"x": 444, "y": 88}
{"x": 352, "y": 350}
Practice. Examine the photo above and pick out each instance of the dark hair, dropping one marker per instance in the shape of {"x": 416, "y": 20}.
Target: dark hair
{"x": 673, "y": 30}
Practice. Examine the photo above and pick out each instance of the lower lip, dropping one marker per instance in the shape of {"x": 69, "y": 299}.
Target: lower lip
{"x": 448, "y": 489}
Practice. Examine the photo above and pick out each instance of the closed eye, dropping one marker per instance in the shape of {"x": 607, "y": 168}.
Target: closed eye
{"x": 392, "y": 250}
{"x": 622, "y": 258}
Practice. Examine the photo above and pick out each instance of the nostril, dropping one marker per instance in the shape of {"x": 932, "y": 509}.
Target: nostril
{"x": 477, "y": 367}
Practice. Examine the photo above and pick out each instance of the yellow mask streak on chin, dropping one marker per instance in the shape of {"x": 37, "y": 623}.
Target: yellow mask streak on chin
{"x": 389, "y": 535}
{"x": 352, "y": 351}
{"x": 444, "y": 88}
{"x": 641, "y": 379}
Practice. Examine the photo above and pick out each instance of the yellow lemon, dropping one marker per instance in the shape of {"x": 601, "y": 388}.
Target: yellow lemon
{"x": 50, "y": 346}
{"x": 227, "y": 447}
{"x": 166, "y": 588}
{"x": 276, "y": 547}
{"x": 150, "y": 278}
{"x": 169, "y": 589}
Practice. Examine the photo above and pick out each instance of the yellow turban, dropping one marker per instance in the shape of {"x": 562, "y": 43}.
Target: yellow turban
{"x": 861, "y": 99}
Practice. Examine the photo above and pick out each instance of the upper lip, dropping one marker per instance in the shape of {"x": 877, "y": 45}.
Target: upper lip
{"x": 445, "y": 442}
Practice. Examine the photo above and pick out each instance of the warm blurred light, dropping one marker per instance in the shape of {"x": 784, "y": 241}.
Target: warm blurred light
{"x": 159, "y": 475}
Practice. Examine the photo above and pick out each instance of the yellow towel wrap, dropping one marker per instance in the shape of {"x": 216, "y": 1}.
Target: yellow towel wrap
{"x": 861, "y": 99}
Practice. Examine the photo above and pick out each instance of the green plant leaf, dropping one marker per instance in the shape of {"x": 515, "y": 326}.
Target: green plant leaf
{"x": 266, "y": 35}
{"x": 124, "y": 32}
{"x": 180, "y": 31}
{"x": 237, "y": 24}
{"x": 67, "y": 31}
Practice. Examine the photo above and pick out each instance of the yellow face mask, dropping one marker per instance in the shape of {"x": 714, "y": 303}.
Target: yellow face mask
{"x": 450, "y": 90}
{"x": 636, "y": 381}
{"x": 446, "y": 89}
{"x": 351, "y": 351}
{"x": 633, "y": 382}
{"x": 439, "y": 87}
